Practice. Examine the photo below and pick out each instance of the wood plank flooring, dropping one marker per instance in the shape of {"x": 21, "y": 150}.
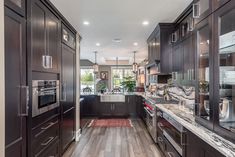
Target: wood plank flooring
{"x": 115, "y": 142}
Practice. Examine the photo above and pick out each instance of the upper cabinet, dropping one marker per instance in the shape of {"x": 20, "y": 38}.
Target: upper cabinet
{"x": 204, "y": 79}
{"x": 68, "y": 38}
{"x": 203, "y": 8}
{"x": 159, "y": 48}
{"x": 46, "y": 39}
{"x": 16, "y": 5}
{"x": 224, "y": 72}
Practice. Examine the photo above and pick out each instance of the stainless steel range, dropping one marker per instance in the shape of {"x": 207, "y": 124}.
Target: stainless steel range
{"x": 45, "y": 96}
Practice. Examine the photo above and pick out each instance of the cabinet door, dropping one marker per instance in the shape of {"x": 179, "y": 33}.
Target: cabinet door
{"x": 106, "y": 109}
{"x": 17, "y": 5}
{"x": 201, "y": 9}
{"x": 224, "y": 61}
{"x": 204, "y": 79}
{"x": 67, "y": 78}
{"x": 15, "y": 80}
{"x": 189, "y": 59}
{"x": 131, "y": 104}
{"x": 219, "y": 3}
{"x": 53, "y": 39}
{"x": 67, "y": 128}
{"x": 177, "y": 61}
{"x": 120, "y": 109}
{"x": 45, "y": 33}
{"x": 38, "y": 42}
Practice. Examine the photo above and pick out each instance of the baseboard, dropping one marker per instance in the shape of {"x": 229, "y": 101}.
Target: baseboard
{"x": 78, "y": 135}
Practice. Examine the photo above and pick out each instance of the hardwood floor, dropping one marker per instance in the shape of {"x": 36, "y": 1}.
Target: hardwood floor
{"x": 115, "y": 142}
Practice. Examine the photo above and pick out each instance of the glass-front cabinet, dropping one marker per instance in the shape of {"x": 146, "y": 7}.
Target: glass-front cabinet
{"x": 224, "y": 63}
{"x": 204, "y": 109}
{"x": 16, "y": 5}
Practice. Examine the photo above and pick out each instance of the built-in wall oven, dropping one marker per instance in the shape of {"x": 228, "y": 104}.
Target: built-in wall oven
{"x": 150, "y": 119}
{"x": 45, "y": 96}
{"x": 173, "y": 133}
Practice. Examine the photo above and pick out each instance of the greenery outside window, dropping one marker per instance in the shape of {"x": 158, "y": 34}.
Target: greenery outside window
{"x": 87, "y": 79}
{"x": 118, "y": 75}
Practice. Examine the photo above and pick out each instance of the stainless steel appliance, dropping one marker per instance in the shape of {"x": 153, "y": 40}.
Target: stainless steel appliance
{"x": 174, "y": 132}
{"x": 150, "y": 119}
{"x": 45, "y": 96}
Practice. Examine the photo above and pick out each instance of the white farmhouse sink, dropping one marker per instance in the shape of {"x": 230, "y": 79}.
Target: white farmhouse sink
{"x": 112, "y": 98}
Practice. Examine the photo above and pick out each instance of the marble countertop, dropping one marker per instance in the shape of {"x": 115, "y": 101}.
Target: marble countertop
{"x": 187, "y": 119}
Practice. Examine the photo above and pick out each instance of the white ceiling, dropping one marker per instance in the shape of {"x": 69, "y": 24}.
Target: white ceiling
{"x": 110, "y": 19}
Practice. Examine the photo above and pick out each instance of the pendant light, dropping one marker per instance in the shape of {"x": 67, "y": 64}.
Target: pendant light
{"x": 96, "y": 66}
{"x": 117, "y": 74}
{"x": 134, "y": 65}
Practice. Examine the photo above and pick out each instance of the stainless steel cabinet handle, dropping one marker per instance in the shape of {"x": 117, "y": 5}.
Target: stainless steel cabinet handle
{"x": 160, "y": 139}
{"x": 50, "y": 125}
{"x": 47, "y": 141}
{"x": 148, "y": 112}
{"x": 64, "y": 91}
{"x": 47, "y": 61}
{"x": 160, "y": 125}
{"x": 24, "y": 107}
{"x": 196, "y": 10}
{"x": 170, "y": 154}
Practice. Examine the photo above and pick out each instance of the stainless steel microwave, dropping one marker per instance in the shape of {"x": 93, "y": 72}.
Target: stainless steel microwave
{"x": 45, "y": 96}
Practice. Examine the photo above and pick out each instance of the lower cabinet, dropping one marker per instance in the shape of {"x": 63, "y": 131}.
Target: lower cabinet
{"x": 67, "y": 128}
{"x": 131, "y": 104}
{"x": 90, "y": 105}
{"x": 45, "y": 139}
{"x": 196, "y": 147}
{"x": 117, "y": 109}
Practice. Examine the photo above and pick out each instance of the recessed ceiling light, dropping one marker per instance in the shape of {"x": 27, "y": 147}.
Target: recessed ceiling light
{"x": 135, "y": 44}
{"x": 145, "y": 23}
{"x": 86, "y": 23}
{"x": 117, "y": 40}
{"x": 97, "y": 44}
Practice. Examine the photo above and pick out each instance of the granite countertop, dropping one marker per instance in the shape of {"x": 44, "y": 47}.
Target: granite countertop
{"x": 187, "y": 119}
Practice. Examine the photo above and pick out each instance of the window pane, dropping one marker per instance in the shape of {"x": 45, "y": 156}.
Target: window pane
{"x": 87, "y": 81}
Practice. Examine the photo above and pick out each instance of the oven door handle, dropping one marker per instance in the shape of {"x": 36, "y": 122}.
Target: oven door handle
{"x": 45, "y": 89}
{"x": 145, "y": 108}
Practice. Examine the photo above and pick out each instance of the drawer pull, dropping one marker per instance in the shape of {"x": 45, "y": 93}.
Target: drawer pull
{"x": 170, "y": 154}
{"x": 48, "y": 141}
{"x": 49, "y": 125}
{"x": 160, "y": 139}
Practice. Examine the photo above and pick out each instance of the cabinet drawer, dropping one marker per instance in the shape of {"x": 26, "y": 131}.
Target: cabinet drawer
{"x": 52, "y": 151}
{"x": 169, "y": 150}
{"x": 44, "y": 136}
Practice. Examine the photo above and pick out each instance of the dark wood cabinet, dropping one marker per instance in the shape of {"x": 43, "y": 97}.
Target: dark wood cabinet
{"x": 68, "y": 38}
{"x": 15, "y": 85}
{"x": 17, "y": 5}
{"x": 46, "y": 39}
{"x": 198, "y": 148}
{"x": 68, "y": 88}
{"x": 203, "y": 8}
{"x": 189, "y": 56}
{"x": 159, "y": 48}
{"x": 90, "y": 105}
{"x": 131, "y": 105}
{"x": 115, "y": 109}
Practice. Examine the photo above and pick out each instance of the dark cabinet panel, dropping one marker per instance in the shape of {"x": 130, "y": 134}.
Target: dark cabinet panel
{"x": 67, "y": 78}
{"x": 68, "y": 37}
{"x": 15, "y": 83}
{"x": 159, "y": 48}
{"x": 67, "y": 96}
{"x": 67, "y": 128}
{"x": 17, "y": 5}
{"x": 90, "y": 105}
{"x": 177, "y": 62}
{"x": 106, "y": 109}
{"x": 120, "y": 109}
{"x": 198, "y": 148}
{"x": 45, "y": 30}
{"x": 131, "y": 104}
